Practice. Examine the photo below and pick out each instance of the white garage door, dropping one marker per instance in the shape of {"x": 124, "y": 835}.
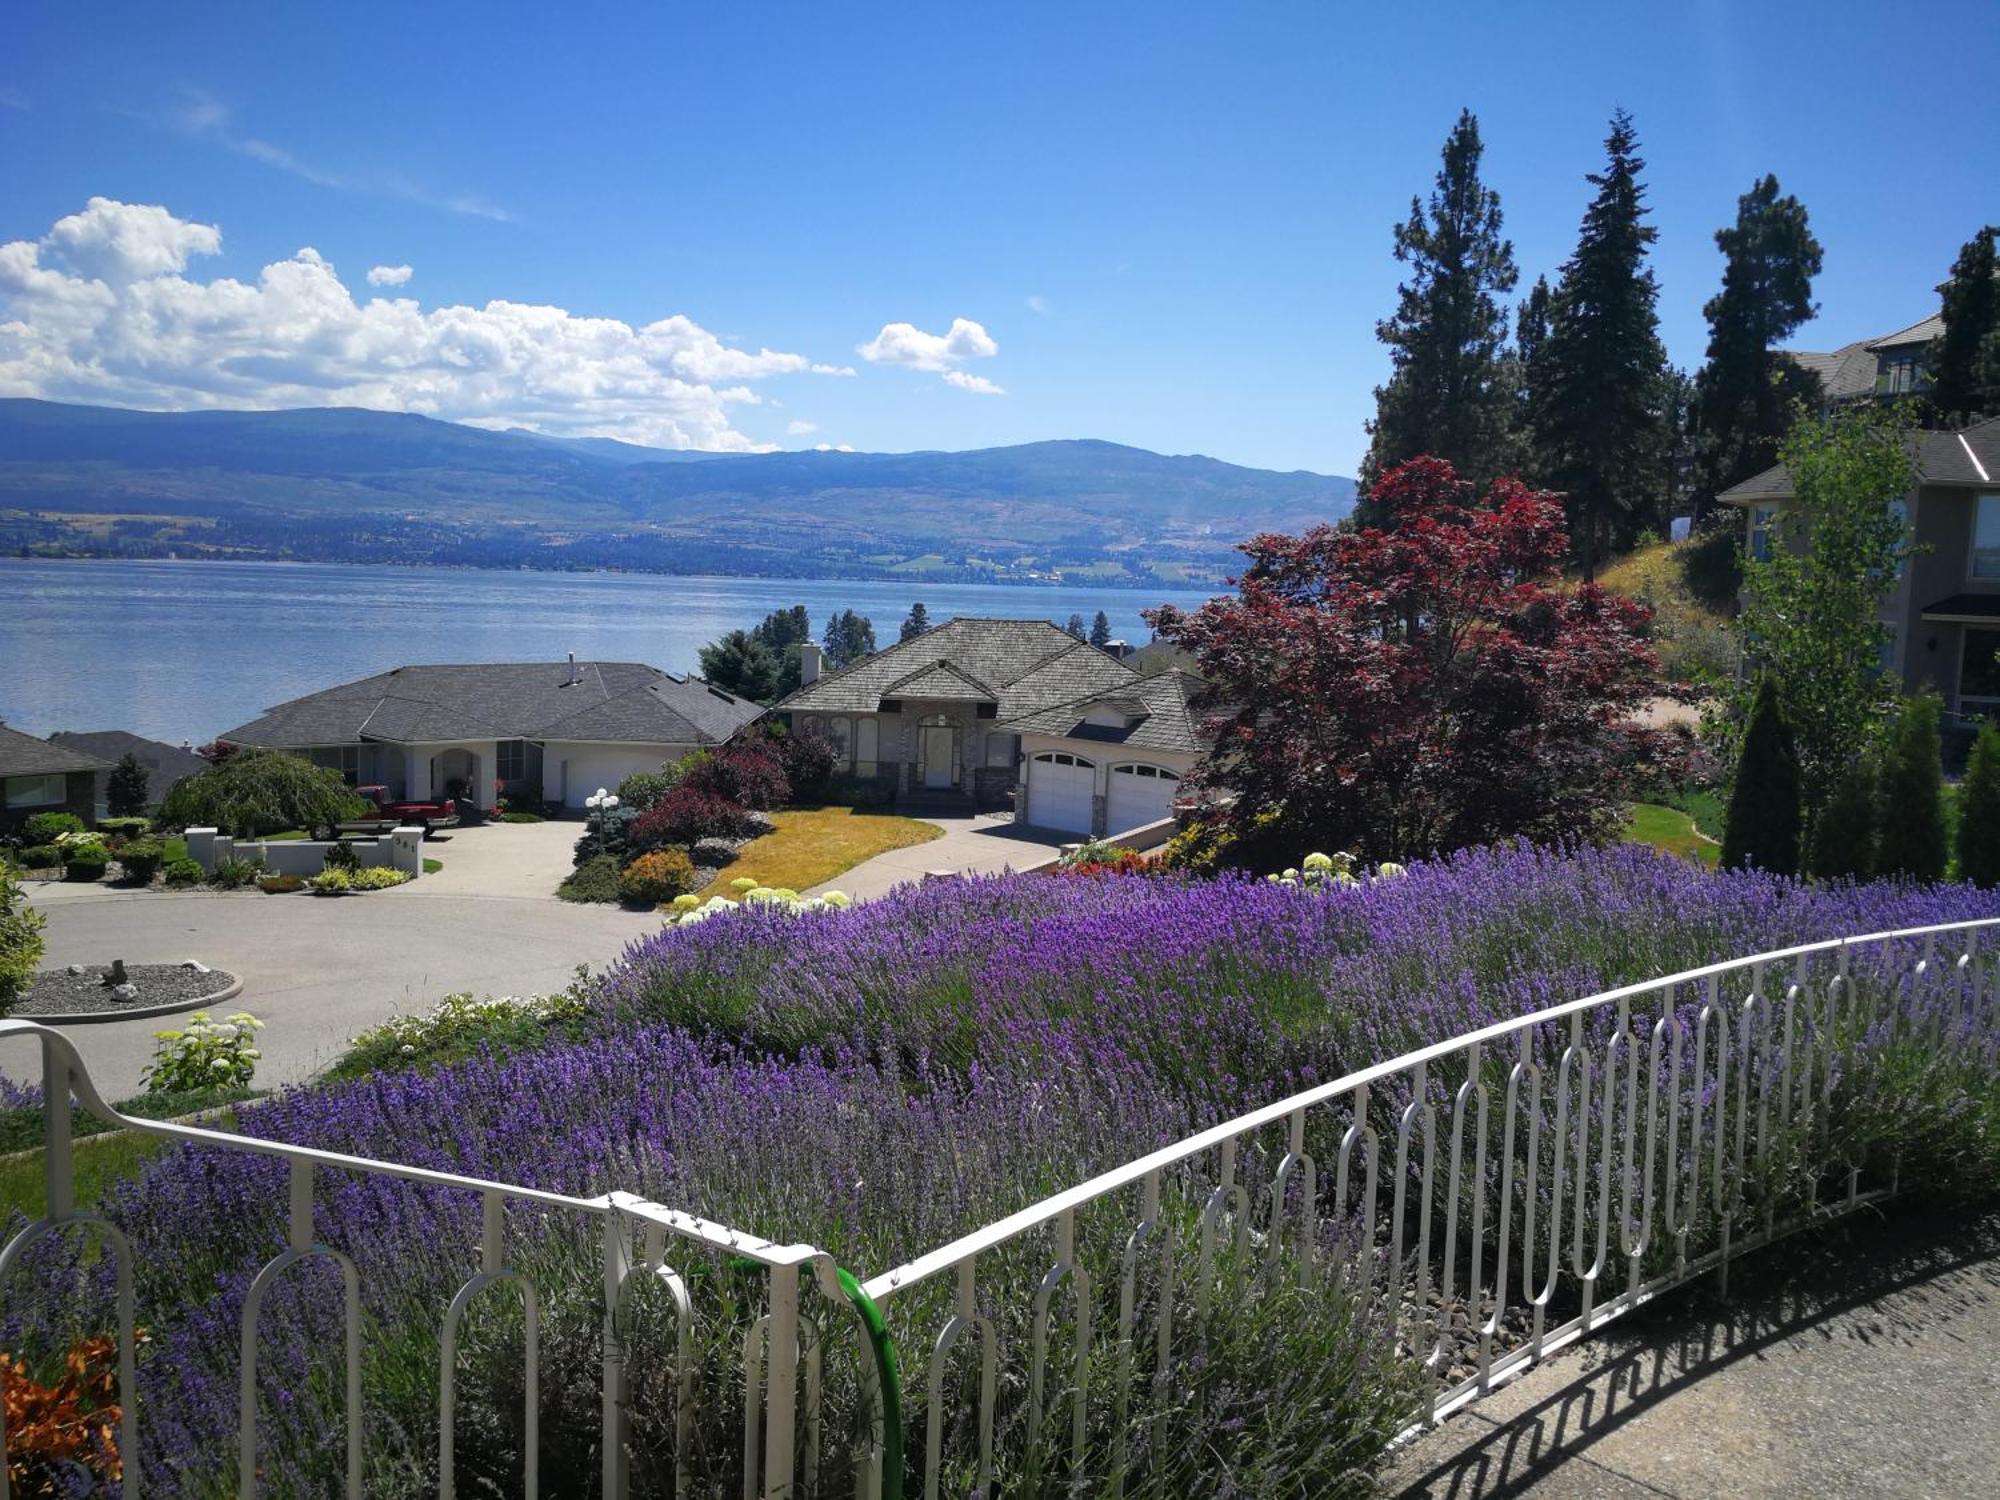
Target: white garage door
{"x": 1059, "y": 791}
{"x": 1139, "y": 795}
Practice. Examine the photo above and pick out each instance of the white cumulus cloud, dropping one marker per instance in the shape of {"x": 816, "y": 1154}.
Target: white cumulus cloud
{"x": 388, "y": 275}
{"x": 100, "y": 309}
{"x": 907, "y": 344}
{"x": 979, "y": 385}
{"x": 799, "y": 427}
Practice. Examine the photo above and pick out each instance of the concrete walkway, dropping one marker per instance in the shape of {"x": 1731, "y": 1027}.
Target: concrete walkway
{"x": 1860, "y": 1361}
{"x": 982, "y": 845}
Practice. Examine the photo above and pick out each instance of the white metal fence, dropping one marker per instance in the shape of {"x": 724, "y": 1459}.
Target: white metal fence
{"x": 1486, "y": 1200}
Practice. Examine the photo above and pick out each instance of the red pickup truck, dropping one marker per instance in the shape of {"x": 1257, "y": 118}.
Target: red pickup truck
{"x": 390, "y": 813}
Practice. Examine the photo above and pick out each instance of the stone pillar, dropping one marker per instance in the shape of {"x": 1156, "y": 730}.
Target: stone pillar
{"x": 406, "y": 851}
{"x": 201, "y": 844}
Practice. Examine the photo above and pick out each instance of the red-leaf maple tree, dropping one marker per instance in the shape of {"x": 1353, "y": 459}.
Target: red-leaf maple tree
{"x": 1418, "y": 686}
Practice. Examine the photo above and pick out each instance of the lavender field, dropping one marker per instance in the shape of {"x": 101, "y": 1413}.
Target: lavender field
{"x": 876, "y": 1082}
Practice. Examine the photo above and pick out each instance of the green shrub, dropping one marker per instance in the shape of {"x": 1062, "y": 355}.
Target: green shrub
{"x": 595, "y": 879}
{"x": 333, "y": 881}
{"x": 183, "y": 871}
{"x": 86, "y": 866}
{"x": 1842, "y": 846}
{"x": 280, "y": 885}
{"x": 460, "y": 1027}
{"x": 234, "y": 874}
{"x": 41, "y": 857}
{"x": 124, "y": 828}
{"x": 1711, "y": 564}
{"x": 125, "y": 789}
{"x": 378, "y": 878}
{"x": 1761, "y": 830}
{"x": 260, "y": 791}
{"x": 1911, "y": 796}
{"x": 1201, "y": 848}
{"x": 46, "y": 828}
{"x": 656, "y": 877}
{"x": 861, "y": 792}
{"x": 205, "y": 1054}
{"x": 522, "y": 817}
{"x": 20, "y": 942}
{"x": 340, "y": 855}
{"x": 141, "y": 859}
{"x": 1979, "y": 811}
{"x": 642, "y": 789}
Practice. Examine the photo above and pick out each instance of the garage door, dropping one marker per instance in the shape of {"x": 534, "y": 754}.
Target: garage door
{"x": 1139, "y": 795}
{"x": 1059, "y": 792}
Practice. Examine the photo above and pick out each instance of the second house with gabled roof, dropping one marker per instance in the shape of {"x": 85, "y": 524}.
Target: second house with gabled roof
{"x": 981, "y": 712}
{"x": 550, "y": 731}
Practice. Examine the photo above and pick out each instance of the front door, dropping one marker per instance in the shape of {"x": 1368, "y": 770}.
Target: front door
{"x": 937, "y": 757}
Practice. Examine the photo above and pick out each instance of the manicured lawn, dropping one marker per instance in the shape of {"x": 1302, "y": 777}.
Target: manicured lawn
{"x": 432, "y": 866}
{"x": 813, "y": 844}
{"x": 1670, "y": 829}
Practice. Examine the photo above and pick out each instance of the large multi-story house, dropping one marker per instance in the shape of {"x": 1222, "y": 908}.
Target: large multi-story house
{"x": 1896, "y": 364}
{"x": 1944, "y": 613}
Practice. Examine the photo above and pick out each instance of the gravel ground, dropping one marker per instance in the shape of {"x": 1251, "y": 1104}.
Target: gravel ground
{"x": 64, "y": 992}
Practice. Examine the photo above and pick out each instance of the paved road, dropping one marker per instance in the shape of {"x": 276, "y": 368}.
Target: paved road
{"x": 982, "y": 845}
{"x": 1860, "y": 1362}
{"x": 317, "y": 971}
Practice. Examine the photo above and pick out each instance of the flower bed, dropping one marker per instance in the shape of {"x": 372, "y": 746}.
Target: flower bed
{"x": 876, "y": 1081}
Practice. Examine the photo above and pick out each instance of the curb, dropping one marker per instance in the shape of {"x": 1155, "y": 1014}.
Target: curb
{"x": 138, "y": 1012}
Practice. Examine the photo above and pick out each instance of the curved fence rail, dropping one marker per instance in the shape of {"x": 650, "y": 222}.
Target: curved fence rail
{"x": 1476, "y": 1205}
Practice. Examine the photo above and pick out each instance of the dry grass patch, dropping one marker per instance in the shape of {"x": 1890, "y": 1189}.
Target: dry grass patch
{"x": 814, "y": 844}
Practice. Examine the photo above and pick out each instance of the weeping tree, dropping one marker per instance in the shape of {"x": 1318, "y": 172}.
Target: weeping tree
{"x": 260, "y": 791}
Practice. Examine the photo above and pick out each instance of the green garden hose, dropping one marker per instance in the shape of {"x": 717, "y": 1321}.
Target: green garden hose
{"x": 885, "y": 1370}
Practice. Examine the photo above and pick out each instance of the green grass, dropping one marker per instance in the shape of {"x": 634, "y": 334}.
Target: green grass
{"x": 1670, "y": 829}
{"x": 432, "y": 866}
{"x": 1706, "y": 808}
{"x": 101, "y": 1161}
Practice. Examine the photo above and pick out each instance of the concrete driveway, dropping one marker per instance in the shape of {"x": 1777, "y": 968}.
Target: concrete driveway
{"x": 982, "y": 845}
{"x": 500, "y": 859}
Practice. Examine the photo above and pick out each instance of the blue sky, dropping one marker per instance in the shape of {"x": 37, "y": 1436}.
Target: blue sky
{"x": 1170, "y": 223}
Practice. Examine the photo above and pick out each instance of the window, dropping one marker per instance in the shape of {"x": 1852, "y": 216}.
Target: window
{"x": 1986, "y": 537}
{"x": 840, "y": 729}
{"x": 1000, "y": 750}
{"x": 1147, "y": 772}
{"x": 1899, "y": 374}
{"x": 510, "y": 760}
{"x": 1761, "y": 519}
{"x": 36, "y": 791}
{"x": 1057, "y": 758}
{"x": 1979, "y": 668}
{"x": 345, "y": 759}
{"x": 867, "y": 745}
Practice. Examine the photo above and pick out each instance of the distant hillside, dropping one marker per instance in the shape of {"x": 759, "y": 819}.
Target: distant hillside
{"x": 348, "y": 484}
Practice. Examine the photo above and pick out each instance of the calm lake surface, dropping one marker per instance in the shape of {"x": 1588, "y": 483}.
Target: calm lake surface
{"x": 183, "y": 650}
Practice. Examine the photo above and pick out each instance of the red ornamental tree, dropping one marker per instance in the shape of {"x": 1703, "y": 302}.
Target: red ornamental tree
{"x": 1418, "y": 687}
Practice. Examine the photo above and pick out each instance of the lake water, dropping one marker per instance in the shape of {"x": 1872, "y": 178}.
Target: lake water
{"x": 182, "y": 650}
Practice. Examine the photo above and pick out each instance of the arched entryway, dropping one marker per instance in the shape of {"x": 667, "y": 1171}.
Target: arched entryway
{"x": 455, "y": 773}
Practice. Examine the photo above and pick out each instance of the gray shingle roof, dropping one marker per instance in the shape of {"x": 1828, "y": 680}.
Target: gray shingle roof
{"x": 1158, "y": 707}
{"x": 24, "y": 755}
{"x": 940, "y": 679}
{"x": 609, "y": 701}
{"x": 1025, "y": 664}
{"x": 1847, "y": 372}
{"x": 165, "y": 764}
{"x": 1971, "y": 457}
{"x": 1917, "y": 333}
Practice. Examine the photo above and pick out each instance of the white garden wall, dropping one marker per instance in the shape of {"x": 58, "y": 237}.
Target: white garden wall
{"x": 401, "y": 850}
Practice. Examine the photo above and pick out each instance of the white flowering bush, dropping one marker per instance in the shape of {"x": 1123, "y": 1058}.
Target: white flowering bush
{"x": 205, "y": 1054}
{"x": 689, "y": 909}
{"x": 1330, "y": 871}
{"x": 460, "y": 1025}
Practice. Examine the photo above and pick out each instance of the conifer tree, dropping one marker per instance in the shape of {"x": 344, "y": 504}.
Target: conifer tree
{"x": 125, "y": 789}
{"x": 1597, "y": 378}
{"x": 849, "y": 637}
{"x": 1963, "y": 369}
{"x": 1745, "y": 392}
{"x": 1979, "y": 811}
{"x": 1100, "y": 630}
{"x": 1531, "y": 335}
{"x": 1911, "y": 795}
{"x": 915, "y": 623}
{"x": 1761, "y": 828}
{"x": 1448, "y": 395}
{"x": 1842, "y": 844}
{"x": 1075, "y": 627}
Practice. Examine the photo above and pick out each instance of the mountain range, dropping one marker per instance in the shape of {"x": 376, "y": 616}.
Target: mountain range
{"x": 347, "y": 484}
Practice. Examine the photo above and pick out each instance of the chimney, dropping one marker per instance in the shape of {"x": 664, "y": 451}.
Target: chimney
{"x": 572, "y": 670}
{"x": 810, "y": 657}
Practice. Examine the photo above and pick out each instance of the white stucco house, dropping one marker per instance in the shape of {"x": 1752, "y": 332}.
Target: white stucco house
{"x": 990, "y": 713}
{"x": 553, "y": 730}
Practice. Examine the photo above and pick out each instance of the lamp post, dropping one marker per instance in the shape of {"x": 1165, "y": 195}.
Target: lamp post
{"x": 599, "y": 805}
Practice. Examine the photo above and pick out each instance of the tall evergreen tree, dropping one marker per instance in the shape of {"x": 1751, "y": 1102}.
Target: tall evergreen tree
{"x": 915, "y": 623}
{"x": 1531, "y": 336}
{"x": 1745, "y": 391}
{"x": 742, "y": 664}
{"x": 1962, "y": 358}
{"x": 1598, "y": 377}
{"x": 1761, "y": 828}
{"x": 849, "y": 637}
{"x": 1979, "y": 811}
{"x": 1911, "y": 795}
{"x": 1842, "y": 843}
{"x": 1075, "y": 627}
{"x": 783, "y": 632}
{"x": 1448, "y": 393}
{"x": 125, "y": 789}
{"x": 1100, "y": 630}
